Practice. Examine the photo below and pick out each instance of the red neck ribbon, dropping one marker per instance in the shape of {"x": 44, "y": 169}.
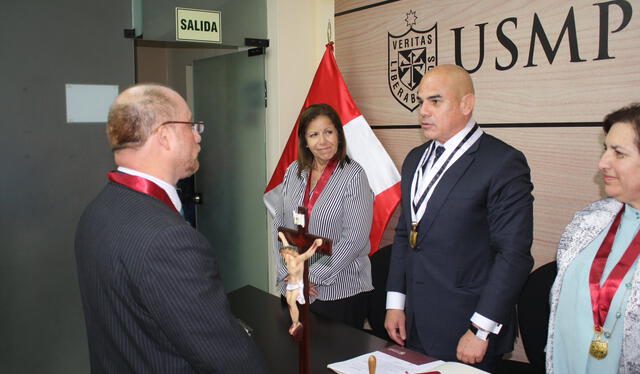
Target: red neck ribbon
{"x": 142, "y": 185}
{"x": 310, "y": 199}
{"x": 601, "y": 296}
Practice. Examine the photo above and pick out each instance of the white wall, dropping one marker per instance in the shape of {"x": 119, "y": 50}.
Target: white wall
{"x": 297, "y": 31}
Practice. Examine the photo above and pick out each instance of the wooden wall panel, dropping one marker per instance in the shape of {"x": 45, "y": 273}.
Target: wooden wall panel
{"x": 564, "y": 173}
{"x": 563, "y": 160}
{"x": 563, "y": 91}
{"x": 346, "y": 5}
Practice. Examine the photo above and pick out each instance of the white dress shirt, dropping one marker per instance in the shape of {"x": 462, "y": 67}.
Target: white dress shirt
{"x": 168, "y": 188}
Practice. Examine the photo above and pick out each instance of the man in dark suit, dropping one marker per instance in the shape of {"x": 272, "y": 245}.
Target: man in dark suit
{"x": 152, "y": 296}
{"x": 462, "y": 248}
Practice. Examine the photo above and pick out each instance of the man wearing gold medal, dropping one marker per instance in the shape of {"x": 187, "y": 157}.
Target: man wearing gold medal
{"x": 462, "y": 247}
{"x": 594, "y": 326}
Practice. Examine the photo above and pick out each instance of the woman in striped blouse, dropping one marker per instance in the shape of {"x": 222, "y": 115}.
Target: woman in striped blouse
{"x": 340, "y": 207}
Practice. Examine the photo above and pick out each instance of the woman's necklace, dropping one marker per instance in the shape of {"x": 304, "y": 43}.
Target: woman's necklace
{"x": 599, "y": 347}
{"x": 627, "y": 286}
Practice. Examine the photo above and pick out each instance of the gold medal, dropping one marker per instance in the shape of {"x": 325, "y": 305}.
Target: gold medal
{"x": 598, "y": 348}
{"x": 413, "y": 236}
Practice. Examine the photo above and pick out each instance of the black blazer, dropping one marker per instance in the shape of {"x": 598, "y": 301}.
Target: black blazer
{"x": 474, "y": 246}
{"x": 152, "y": 296}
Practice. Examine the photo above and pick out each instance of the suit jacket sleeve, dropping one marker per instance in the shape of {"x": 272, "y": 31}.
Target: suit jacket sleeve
{"x": 181, "y": 289}
{"x": 510, "y": 219}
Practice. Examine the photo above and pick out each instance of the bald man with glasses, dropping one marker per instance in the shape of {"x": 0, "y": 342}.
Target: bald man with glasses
{"x": 152, "y": 295}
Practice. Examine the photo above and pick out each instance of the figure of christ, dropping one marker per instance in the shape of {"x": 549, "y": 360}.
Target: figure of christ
{"x": 295, "y": 283}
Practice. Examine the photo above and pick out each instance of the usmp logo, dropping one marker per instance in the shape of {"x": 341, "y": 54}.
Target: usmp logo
{"x": 411, "y": 55}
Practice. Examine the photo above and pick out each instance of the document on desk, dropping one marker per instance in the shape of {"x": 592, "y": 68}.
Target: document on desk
{"x": 393, "y": 359}
{"x": 399, "y": 360}
{"x": 384, "y": 364}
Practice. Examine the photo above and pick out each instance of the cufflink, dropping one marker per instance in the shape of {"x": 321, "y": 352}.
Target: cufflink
{"x": 480, "y": 333}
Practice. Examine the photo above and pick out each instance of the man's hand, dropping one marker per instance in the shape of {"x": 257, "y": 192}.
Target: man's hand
{"x": 394, "y": 323}
{"x": 471, "y": 349}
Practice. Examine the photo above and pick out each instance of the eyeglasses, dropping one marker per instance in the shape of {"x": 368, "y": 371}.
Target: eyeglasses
{"x": 196, "y": 126}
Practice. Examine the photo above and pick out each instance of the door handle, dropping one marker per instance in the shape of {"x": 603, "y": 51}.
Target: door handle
{"x": 197, "y": 198}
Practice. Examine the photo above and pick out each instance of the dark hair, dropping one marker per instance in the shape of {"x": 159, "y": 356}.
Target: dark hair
{"x": 135, "y": 112}
{"x": 305, "y": 157}
{"x": 629, "y": 114}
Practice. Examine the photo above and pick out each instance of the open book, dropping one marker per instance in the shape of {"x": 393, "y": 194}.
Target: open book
{"x": 397, "y": 359}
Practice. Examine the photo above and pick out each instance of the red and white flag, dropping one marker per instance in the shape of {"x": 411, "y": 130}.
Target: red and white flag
{"x": 362, "y": 145}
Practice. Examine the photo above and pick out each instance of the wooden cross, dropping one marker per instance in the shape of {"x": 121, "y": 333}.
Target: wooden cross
{"x": 303, "y": 240}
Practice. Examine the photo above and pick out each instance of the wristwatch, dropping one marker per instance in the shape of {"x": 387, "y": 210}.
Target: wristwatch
{"x": 480, "y": 333}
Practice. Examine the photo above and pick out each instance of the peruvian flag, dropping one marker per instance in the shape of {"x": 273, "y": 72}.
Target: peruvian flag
{"x": 362, "y": 145}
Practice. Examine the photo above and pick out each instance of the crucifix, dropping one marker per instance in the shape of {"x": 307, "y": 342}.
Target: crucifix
{"x": 305, "y": 242}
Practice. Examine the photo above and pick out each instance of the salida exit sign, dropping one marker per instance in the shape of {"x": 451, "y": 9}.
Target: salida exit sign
{"x": 198, "y": 25}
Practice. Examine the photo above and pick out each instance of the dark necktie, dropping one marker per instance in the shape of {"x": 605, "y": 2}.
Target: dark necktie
{"x": 439, "y": 152}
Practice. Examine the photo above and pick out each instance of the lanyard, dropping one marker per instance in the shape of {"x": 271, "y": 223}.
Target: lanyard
{"x": 421, "y": 170}
{"x": 416, "y": 206}
{"x": 601, "y": 296}
{"x": 311, "y": 198}
{"x": 142, "y": 185}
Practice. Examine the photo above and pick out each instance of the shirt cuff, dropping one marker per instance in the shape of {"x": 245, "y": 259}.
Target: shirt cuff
{"x": 395, "y": 300}
{"x": 484, "y": 323}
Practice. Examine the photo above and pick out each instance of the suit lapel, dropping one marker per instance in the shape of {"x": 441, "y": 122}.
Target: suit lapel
{"x": 444, "y": 187}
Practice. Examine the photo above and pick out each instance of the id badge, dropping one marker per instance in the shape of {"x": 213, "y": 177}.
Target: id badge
{"x": 298, "y": 219}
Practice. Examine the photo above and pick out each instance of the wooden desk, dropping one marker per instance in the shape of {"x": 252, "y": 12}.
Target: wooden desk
{"x": 269, "y": 318}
